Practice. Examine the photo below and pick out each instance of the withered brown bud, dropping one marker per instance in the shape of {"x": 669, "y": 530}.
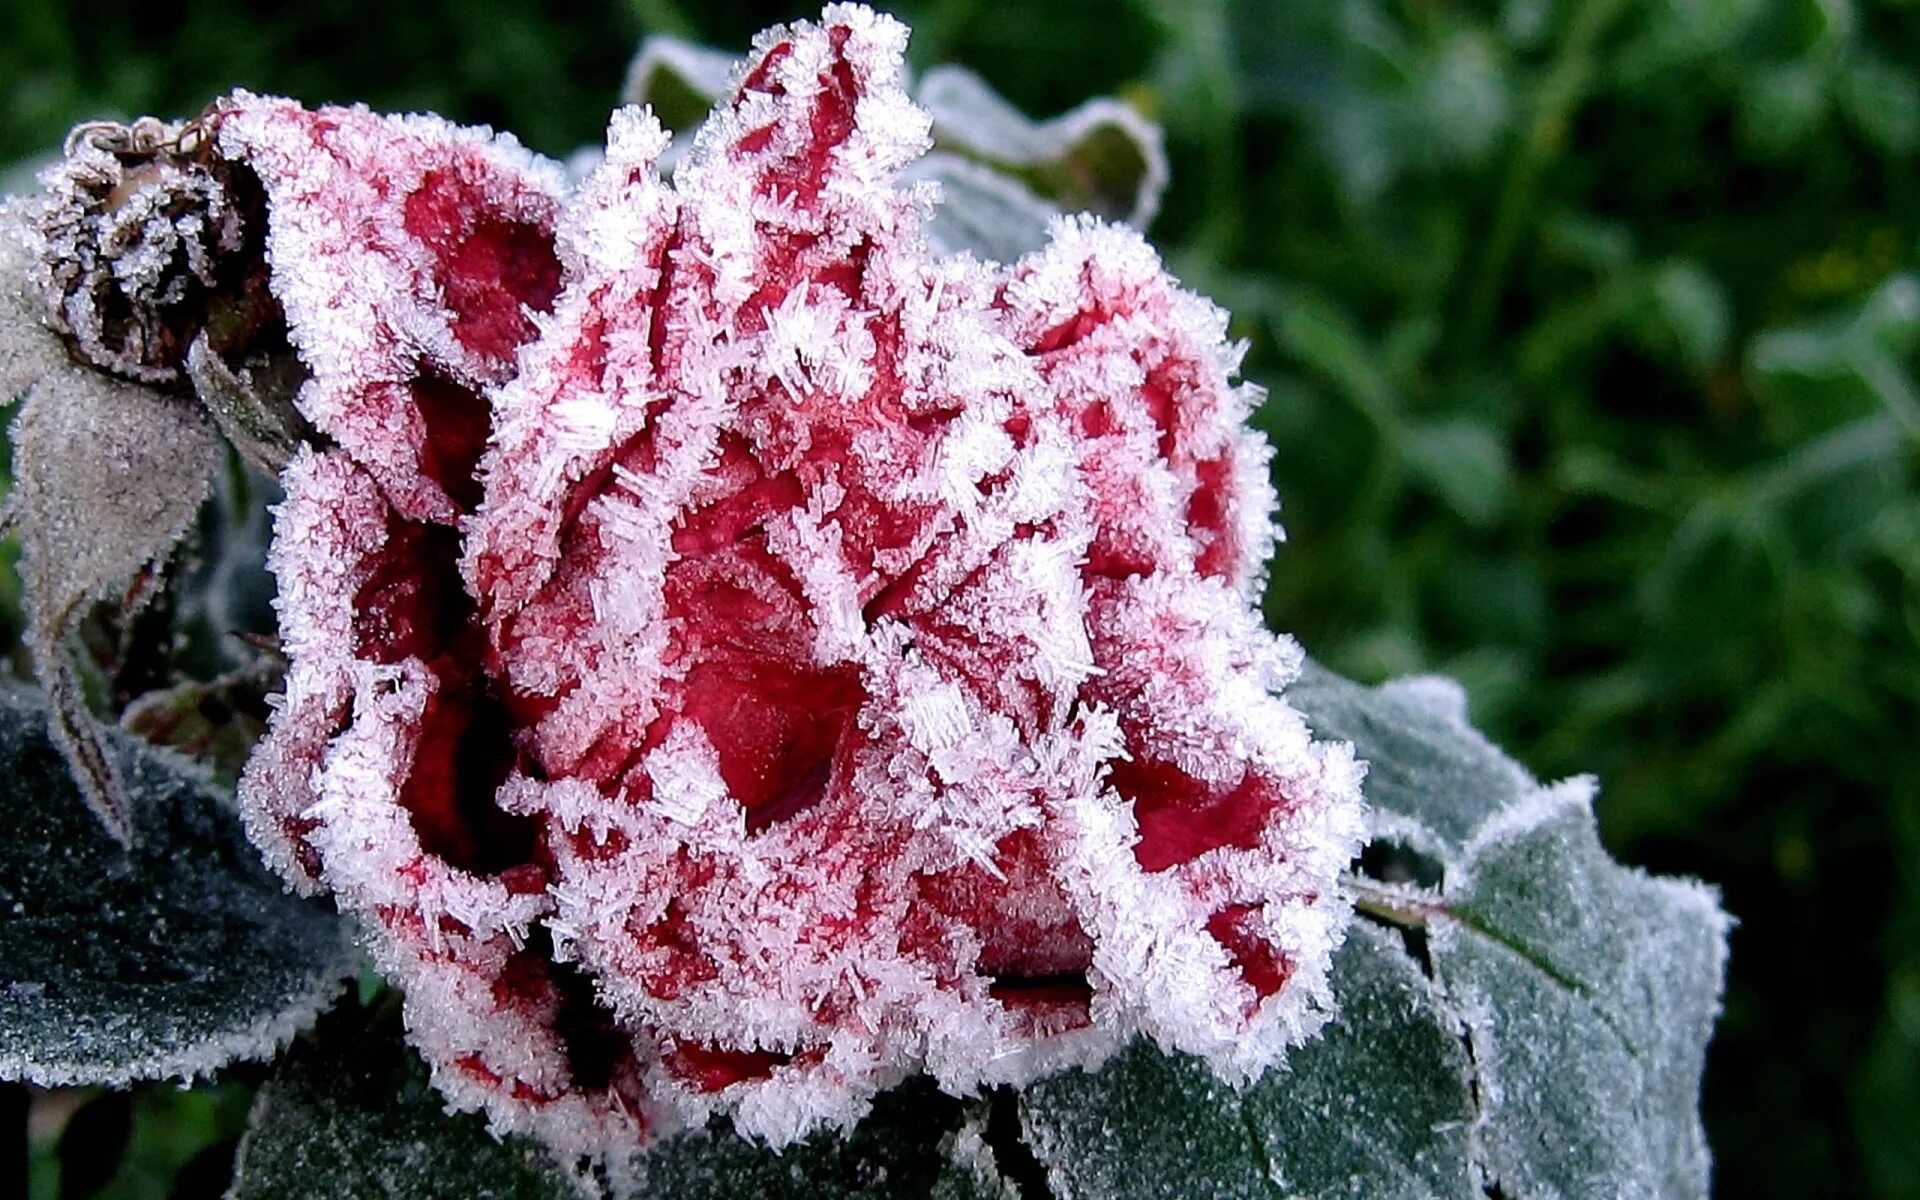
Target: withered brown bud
{"x": 138, "y": 221}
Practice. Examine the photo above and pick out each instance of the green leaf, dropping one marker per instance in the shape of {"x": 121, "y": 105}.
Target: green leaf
{"x": 251, "y": 405}
{"x": 916, "y": 1143}
{"x": 1864, "y": 347}
{"x": 1883, "y": 101}
{"x": 1103, "y": 157}
{"x": 1325, "y": 338}
{"x": 982, "y": 212}
{"x": 349, "y": 1112}
{"x": 1465, "y": 101}
{"x": 168, "y": 960}
{"x": 678, "y": 79}
{"x": 1686, "y": 311}
{"x": 1780, "y": 107}
{"x": 1427, "y": 767}
{"x": 1589, "y": 992}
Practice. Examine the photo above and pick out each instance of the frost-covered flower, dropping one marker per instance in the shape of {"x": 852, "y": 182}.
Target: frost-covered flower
{"x": 739, "y": 658}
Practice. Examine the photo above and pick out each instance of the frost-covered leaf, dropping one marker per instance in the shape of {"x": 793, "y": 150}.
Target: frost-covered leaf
{"x": 1427, "y": 767}
{"x": 28, "y": 349}
{"x": 982, "y": 212}
{"x": 1589, "y": 992}
{"x": 1377, "y": 1109}
{"x": 107, "y": 477}
{"x": 1392, "y": 1056}
{"x": 350, "y": 1113}
{"x": 1103, "y": 157}
{"x": 1542, "y": 1032}
{"x": 171, "y": 959}
{"x": 252, "y": 407}
{"x": 678, "y": 79}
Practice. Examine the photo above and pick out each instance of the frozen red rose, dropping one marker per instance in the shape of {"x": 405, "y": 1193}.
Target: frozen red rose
{"x": 739, "y": 658}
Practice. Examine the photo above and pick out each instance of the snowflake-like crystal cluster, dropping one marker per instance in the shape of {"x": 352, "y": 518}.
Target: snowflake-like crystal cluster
{"x": 739, "y": 658}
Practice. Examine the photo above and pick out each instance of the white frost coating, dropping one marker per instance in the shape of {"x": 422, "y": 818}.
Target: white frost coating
{"x": 1437, "y": 694}
{"x": 369, "y": 219}
{"x": 1539, "y": 807}
{"x": 1384, "y": 825}
{"x": 968, "y": 1149}
{"x": 28, "y": 348}
{"x": 864, "y": 637}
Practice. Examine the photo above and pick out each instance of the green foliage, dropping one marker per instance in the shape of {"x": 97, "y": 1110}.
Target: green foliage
{"x": 1590, "y": 328}
{"x": 1149, "y": 1125}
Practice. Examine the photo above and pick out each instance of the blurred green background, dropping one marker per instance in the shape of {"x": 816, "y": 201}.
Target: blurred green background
{"x": 1590, "y": 328}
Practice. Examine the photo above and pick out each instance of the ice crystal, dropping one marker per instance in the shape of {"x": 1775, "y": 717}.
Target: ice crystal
{"x": 738, "y": 657}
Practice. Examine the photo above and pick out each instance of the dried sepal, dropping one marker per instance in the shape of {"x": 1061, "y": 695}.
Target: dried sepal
{"x": 135, "y": 250}
{"x": 252, "y": 407}
{"x": 28, "y": 346}
{"x": 107, "y": 473}
{"x": 107, "y": 478}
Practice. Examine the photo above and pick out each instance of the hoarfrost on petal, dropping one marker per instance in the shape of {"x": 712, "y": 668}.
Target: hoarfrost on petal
{"x": 830, "y": 660}
{"x": 410, "y": 257}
